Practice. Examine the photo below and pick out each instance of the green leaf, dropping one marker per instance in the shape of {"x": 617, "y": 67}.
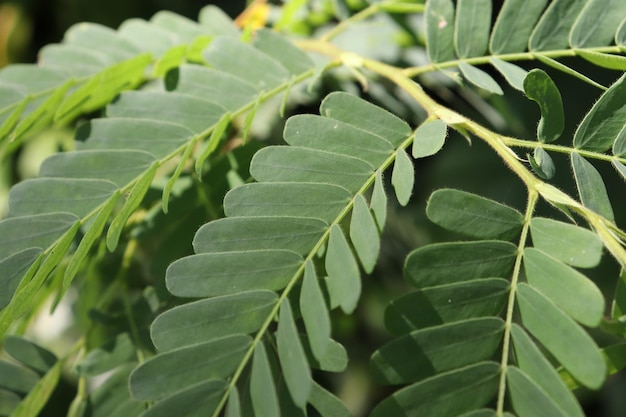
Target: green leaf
{"x": 439, "y": 17}
{"x": 213, "y": 274}
{"x": 513, "y": 74}
{"x": 597, "y": 23}
{"x": 155, "y": 137}
{"x": 8, "y": 402}
{"x": 514, "y": 25}
{"x": 619, "y": 146}
{"x": 446, "y": 304}
{"x": 320, "y": 201}
{"x": 621, "y": 168}
{"x": 262, "y": 388}
{"x": 133, "y": 200}
{"x": 568, "y": 243}
{"x": 171, "y": 372}
{"x": 29, "y": 353}
{"x": 213, "y": 142}
{"x": 618, "y": 309}
{"x": 344, "y": 280}
{"x": 292, "y": 358}
{"x": 191, "y": 112}
{"x": 570, "y": 290}
{"x": 335, "y": 357}
{"x": 540, "y": 88}
{"x": 429, "y": 138}
{"x": 314, "y": 312}
{"x": 425, "y": 353}
{"x": 541, "y": 372}
{"x": 172, "y": 58}
{"x": 335, "y": 136}
{"x": 471, "y": 387}
{"x": 261, "y": 70}
{"x": 12, "y": 270}
{"x": 63, "y": 195}
{"x": 473, "y": 215}
{"x": 614, "y": 62}
{"x": 447, "y": 263}
{"x": 39, "y": 231}
{"x": 403, "y": 177}
{"x": 297, "y": 164}
{"x": 529, "y": 400}
{"x": 117, "y": 351}
{"x": 558, "y": 333}
{"x": 17, "y": 378}
{"x": 297, "y": 234}
{"x": 198, "y": 400}
{"x": 364, "y": 234}
{"x": 378, "y": 202}
{"x": 604, "y": 122}
{"x": 479, "y": 78}
{"x": 326, "y": 403}
{"x": 93, "y": 233}
{"x": 620, "y": 35}
{"x": 590, "y": 186}
{"x": 472, "y": 24}
{"x": 118, "y": 166}
{"x": 282, "y": 50}
{"x": 567, "y": 70}
{"x": 552, "y": 30}
{"x": 211, "y": 318}
{"x": 233, "y": 407}
{"x": 542, "y": 164}
{"x": 357, "y": 112}
{"x": 39, "y": 395}
{"x": 197, "y": 81}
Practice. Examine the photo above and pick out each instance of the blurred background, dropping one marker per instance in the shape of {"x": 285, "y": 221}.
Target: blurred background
{"x": 28, "y": 25}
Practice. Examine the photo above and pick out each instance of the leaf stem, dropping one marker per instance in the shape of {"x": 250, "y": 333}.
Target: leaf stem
{"x": 510, "y": 308}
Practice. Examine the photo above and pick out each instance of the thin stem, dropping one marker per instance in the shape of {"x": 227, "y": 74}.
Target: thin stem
{"x": 510, "y": 309}
{"x": 521, "y": 56}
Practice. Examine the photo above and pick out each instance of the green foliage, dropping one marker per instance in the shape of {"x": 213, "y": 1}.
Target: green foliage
{"x": 231, "y": 256}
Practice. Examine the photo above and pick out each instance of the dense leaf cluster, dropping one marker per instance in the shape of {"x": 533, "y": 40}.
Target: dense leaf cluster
{"x": 494, "y": 324}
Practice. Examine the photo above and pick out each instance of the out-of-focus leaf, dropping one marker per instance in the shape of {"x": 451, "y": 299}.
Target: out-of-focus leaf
{"x": 29, "y": 353}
